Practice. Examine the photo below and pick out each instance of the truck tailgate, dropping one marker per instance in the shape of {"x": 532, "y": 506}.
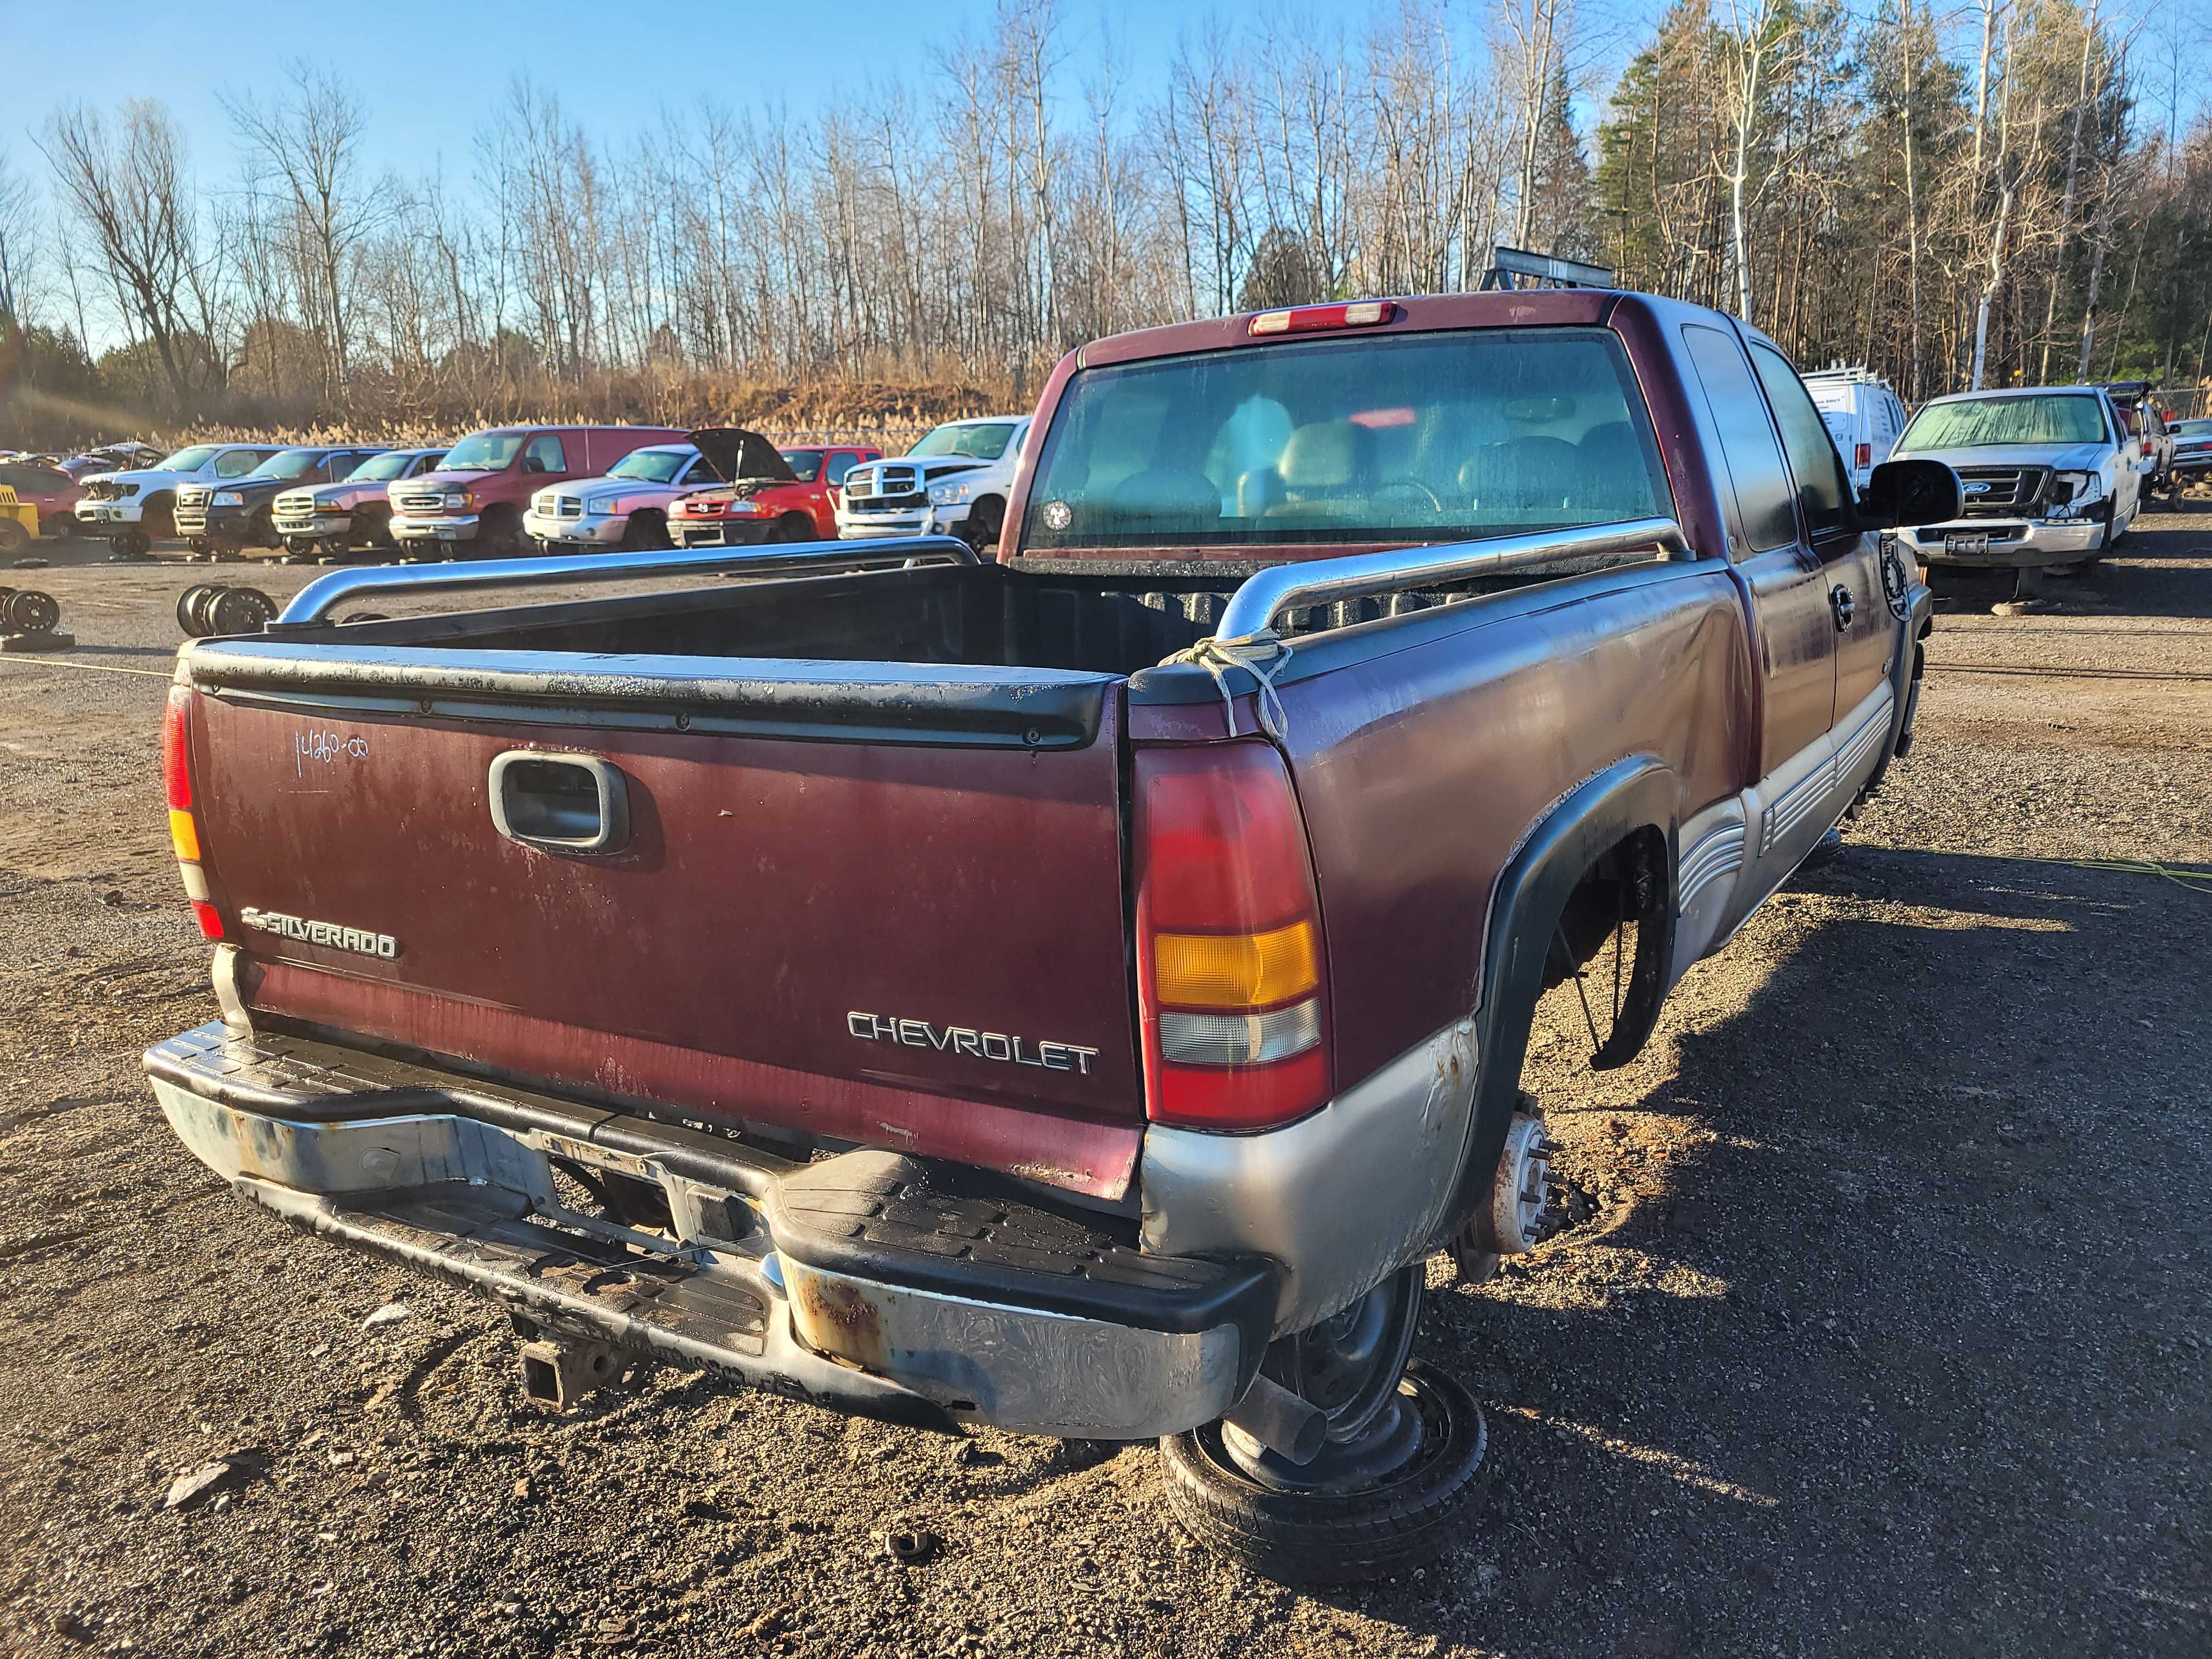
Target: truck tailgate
{"x": 895, "y": 939}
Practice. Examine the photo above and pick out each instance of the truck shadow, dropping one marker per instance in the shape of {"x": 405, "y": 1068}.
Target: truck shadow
{"x": 1829, "y": 1321}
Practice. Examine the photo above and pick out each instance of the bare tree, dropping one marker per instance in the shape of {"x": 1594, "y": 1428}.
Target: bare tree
{"x": 307, "y": 146}
{"x": 126, "y": 186}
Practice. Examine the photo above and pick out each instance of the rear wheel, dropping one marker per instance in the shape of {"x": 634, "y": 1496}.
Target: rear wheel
{"x": 1403, "y": 1517}
{"x": 13, "y": 537}
{"x": 1401, "y": 1449}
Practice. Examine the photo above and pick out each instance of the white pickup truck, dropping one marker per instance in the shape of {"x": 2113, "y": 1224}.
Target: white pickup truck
{"x": 953, "y": 482}
{"x": 133, "y": 509}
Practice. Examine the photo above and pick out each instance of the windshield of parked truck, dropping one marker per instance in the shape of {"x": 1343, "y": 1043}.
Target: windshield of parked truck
{"x": 1427, "y": 437}
{"x": 187, "y": 460}
{"x": 487, "y": 452}
{"x": 1975, "y": 423}
{"x": 392, "y": 463}
{"x": 652, "y": 465}
{"x": 982, "y": 440}
{"x": 289, "y": 464}
{"x": 805, "y": 464}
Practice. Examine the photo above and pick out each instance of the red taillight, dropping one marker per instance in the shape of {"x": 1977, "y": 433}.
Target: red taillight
{"x": 176, "y": 757}
{"x": 183, "y": 827}
{"x": 1316, "y": 319}
{"x": 1229, "y": 968}
{"x": 1865, "y": 454}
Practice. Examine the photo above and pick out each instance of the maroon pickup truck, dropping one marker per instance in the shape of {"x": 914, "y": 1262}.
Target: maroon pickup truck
{"x": 1074, "y": 992}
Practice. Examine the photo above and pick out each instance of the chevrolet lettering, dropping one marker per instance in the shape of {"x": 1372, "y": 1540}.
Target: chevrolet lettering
{"x": 964, "y": 1039}
{"x": 321, "y": 933}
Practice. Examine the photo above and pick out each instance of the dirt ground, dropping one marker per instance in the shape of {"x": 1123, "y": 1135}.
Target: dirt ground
{"x": 1889, "y": 1334}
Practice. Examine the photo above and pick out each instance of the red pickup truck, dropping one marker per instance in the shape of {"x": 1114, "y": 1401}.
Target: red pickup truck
{"x": 1075, "y": 993}
{"x": 474, "y": 502}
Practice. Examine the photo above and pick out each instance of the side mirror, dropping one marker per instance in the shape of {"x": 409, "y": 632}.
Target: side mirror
{"x": 1911, "y": 492}
{"x": 2173, "y": 427}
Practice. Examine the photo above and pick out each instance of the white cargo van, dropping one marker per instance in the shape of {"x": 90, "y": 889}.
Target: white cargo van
{"x": 1863, "y": 416}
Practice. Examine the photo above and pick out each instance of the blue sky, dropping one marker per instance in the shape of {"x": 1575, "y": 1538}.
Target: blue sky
{"x": 430, "y": 72}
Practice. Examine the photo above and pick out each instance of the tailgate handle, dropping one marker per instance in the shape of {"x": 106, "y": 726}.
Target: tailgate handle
{"x": 560, "y": 803}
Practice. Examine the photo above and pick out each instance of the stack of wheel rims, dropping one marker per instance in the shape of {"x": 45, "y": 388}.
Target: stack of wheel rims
{"x": 212, "y": 608}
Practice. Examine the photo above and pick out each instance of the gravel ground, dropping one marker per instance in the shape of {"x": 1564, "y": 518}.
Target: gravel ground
{"x": 1886, "y": 1331}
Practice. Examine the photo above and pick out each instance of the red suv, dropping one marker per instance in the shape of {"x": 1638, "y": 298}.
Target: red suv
{"x": 49, "y": 489}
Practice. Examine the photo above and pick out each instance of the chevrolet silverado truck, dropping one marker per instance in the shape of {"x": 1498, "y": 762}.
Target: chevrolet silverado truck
{"x": 2052, "y": 477}
{"x": 334, "y": 520}
{"x": 1077, "y": 992}
{"x": 955, "y": 482}
{"x": 772, "y": 495}
{"x": 474, "y": 502}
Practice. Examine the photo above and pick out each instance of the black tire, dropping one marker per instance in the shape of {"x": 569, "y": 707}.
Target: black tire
{"x": 187, "y": 609}
{"x": 240, "y": 610}
{"x": 645, "y": 531}
{"x": 794, "y": 527}
{"x": 499, "y": 535}
{"x": 158, "y": 521}
{"x": 260, "y": 531}
{"x": 1318, "y": 1538}
{"x": 14, "y": 539}
{"x": 979, "y": 529}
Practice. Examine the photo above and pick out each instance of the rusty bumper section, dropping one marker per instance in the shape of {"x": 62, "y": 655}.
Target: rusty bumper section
{"x": 870, "y": 1282}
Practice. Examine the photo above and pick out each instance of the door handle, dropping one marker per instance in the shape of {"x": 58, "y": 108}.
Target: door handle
{"x": 559, "y": 803}
{"x": 1840, "y": 601}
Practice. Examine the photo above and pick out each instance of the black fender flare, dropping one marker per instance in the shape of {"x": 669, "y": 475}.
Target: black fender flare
{"x": 1638, "y": 793}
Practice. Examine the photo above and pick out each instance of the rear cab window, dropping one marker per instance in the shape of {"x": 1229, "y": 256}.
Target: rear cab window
{"x": 1424, "y": 437}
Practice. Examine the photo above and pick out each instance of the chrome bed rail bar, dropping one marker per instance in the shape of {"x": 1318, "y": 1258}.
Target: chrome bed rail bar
{"x": 1250, "y": 616}
{"x": 313, "y": 603}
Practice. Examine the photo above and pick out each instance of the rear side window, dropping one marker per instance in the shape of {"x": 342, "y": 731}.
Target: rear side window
{"x": 1823, "y": 489}
{"x": 1350, "y": 439}
{"x": 545, "y": 455}
{"x": 1754, "y": 459}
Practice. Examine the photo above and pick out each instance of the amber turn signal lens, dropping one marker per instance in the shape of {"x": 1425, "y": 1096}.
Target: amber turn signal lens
{"x": 1234, "y": 970}
{"x": 185, "y": 836}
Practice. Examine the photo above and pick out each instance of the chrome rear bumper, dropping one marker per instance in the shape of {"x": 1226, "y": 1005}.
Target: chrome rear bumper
{"x": 869, "y": 1283}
